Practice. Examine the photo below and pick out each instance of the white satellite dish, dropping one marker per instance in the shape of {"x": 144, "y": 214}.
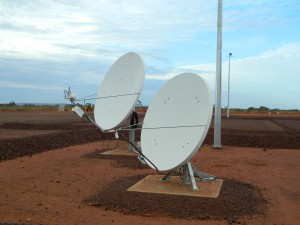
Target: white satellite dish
{"x": 176, "y": 122}
{"x": 119, "y": 91}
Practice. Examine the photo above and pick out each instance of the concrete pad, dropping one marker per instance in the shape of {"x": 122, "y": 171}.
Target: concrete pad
{"x": 119, "y": 151}
{"x": 153, "y": 184}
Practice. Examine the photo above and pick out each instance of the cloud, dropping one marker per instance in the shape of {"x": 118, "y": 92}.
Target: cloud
{"x": 89, "y": 28}
{"x": 28, "y": 86}
{"x": 106, "y": 29}
{"x": 73, "y": 43}
{"x": 160, "y": 77}
{"x": 265, "y": 79}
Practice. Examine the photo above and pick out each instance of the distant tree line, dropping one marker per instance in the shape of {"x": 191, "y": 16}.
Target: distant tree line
{"x": 12, "y": 103}
{"x": 90, "y": 107}
{"x": 264, "y": 108}
{"x": 261, "y": 108}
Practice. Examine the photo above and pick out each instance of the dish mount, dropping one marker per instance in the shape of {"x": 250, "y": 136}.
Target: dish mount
{"x": 188, "y": 174}
{"x": 175, "y": 126}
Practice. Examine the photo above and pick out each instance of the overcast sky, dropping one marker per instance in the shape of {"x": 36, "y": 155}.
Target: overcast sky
{"x": 47, "y": 46}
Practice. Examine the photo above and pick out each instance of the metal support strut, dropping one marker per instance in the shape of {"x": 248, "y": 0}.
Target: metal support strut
{"x": 188, "y": 176}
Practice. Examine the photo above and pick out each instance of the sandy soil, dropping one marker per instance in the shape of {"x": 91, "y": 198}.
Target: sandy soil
{"x": 73, "y": 184}
{"x": 53, "y": 187}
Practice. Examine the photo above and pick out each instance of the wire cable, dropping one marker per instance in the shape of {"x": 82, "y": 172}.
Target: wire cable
{"x": 129, "y": 126}
{"x": 164, "y": 127}
{"x": 111, "y": 96}
{"x": 126, "y": 139}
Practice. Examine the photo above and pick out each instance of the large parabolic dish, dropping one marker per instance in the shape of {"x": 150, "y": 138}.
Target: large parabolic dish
{"x": 176, "y": 122}
{"x": 119, "y": 91}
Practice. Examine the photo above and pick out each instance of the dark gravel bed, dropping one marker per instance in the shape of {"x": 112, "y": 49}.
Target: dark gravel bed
{"x": 18, "y": 224}
{"x": 257, "y": 139}
{"x": 26, "y": 146}
{"x": 69, "y": 134}
{"x": 52, "y": 126}
{"x": 237, "y": 200}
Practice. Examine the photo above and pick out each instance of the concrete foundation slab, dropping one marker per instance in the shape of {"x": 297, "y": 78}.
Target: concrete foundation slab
{"x": 154, "y": 184}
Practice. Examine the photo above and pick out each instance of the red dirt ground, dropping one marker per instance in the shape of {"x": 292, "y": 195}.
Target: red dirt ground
{"x": 74, "y": 184}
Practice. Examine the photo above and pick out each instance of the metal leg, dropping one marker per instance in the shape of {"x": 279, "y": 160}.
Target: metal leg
{"x": 167, "y": 176}
{"x": 185, "y": 177}
{"x": 194, "y": 185}
{"x": 188, "y": 176}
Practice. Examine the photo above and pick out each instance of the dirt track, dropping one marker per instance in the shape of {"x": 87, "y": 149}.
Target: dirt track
{"x": 77, "y": 185}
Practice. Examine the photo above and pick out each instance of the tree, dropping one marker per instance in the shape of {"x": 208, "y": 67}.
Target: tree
{"x": 263, "y": 108}
{"x": 12, "y": 103}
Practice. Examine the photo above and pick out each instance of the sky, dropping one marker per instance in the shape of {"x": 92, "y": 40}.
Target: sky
{"x": 47, "y": 46}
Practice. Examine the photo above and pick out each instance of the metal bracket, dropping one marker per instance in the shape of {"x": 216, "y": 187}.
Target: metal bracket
{"x": 167, "y": 176}
{"x": 188, "y": 176}
{"x": 78, "y": 111}
{"x": 205, "y": 177}
{"x": 141, "y": 159}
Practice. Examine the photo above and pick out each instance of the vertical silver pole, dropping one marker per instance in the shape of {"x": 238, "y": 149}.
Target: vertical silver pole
{"x": 83, "y": 109}
{"x": 217, "y": 127}
{"x": 132, "y": 140}
{"x": 230, "y": 54}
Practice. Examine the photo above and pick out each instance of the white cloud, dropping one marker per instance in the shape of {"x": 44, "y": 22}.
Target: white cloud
{"x": 48, "y": 40}
{"x": 160, "y": 77}
{"x": 88, "y": 28}
{"x": 44, "y": 27}
{"x": 28, "y": 86}
{"x": 263, "y": 79}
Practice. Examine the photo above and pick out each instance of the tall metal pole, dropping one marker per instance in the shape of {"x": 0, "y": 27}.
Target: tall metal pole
{"x": 217, "y": 126}
{"x": 230, "y": 54}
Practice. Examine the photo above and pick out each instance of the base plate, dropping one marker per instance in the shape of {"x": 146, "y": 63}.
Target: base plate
{"x": 153, "y": 184}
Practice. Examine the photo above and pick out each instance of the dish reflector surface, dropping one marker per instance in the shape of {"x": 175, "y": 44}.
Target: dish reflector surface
{"x": 119, "y": 91}
{"x": 176, "y": 122}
